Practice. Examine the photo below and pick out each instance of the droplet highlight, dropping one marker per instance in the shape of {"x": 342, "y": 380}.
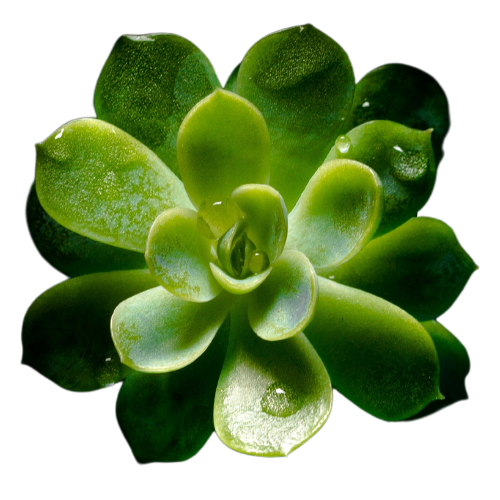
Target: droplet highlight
{"x": 343, "y": 143}
{"x": 280, "y": 400}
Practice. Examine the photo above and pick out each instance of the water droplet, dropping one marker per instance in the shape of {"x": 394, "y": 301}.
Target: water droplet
{"x": 409, "y": 164}
{"x": 59, "y": 135}
{"x": 216, "y": 217}
{"x": 280, "y": 400}
{"x": 108, "y": 373}
{"x": 343, "y": 143}
{"x": 258, "y": 261}
{"x": 366, "y": 104}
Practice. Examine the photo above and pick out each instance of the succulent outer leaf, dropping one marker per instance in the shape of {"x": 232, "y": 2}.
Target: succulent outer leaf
{"x": 454, "y": 365}
{"x": 157, "y": 332}
{"x": 404, "y": 161}
{"x": 266, "y": 217}
{"x": 66, "y": 330}
{"x": 238, "y": 286}
{"x": 420, "y": 267}
{"x": 168, "y": 417}
{"x": 147, "y": 86}
{"x": 178, "y": 256}
{"x": 271, "y": 396}
{"x": 100, "y": 182}
{"x": 71, "y": 253}
{"x": 223, "y": 143}
{"x": 377, "y": 355}
{"x": 302, "y": 82}
{"x": 402, "y": 94}
{"x": 284, "y": 304}
{"x": 337, "y": 214}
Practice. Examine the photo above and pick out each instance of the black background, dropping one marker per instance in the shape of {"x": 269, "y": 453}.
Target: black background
{"x": 57, "y": 429}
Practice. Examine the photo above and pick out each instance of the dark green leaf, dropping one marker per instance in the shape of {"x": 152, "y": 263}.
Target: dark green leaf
{"x": 231, "y": 81}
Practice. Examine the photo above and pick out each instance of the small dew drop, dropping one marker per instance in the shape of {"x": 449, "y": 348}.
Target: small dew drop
{"x": 366, "y": 104}
{"x": 280, "y": 400}
{"x": 409, "y": 165}
{"x": 216, "y": 217}
{"x": 258, "y": 261}
{"x": 343, "y": 143}
{"x": 397, "y": 148}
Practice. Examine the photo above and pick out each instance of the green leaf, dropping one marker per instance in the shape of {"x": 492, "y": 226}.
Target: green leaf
{"x": 157, "y": 332}
{"x": 271, "y": 396}
{"x": 178, "y": 256}
{"x": 231, "y": 81}
{"x": 168, "y": 417}
{"x": 284, "y": 304}
{"x": 454, "y": 365}
{"x": 71, "y": 253}
{"x": 238, "y": 286}
{"x": 337, "y": 214}
{"x": 378, "y": 356}
{"x": 402, "y": 94}
{"x": 302, "y": 82}
{"x": 266, "y": 217}
{"x": 404, "y": 161}
{"x": 100, "y": 182}
{"x": 148, "y": 85}
{"x": 420, "y": 266}
{"x": 223, "y": 143}
{"x": 66, "y": 333}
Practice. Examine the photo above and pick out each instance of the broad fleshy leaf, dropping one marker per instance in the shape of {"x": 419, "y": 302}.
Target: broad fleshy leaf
{"x": 157, "y": 332}
{"x": 223, "y": 143}
{"x": 266, "y": 217}
{"x": 66, "y": 330}
{"x": 100, "y": 182}
{"x": 147, "y": 86}
{"x": 178, "y": 256}
{"x": 71, "y": 253}
{"x": 337, "y": 214}
{"x": 402, "y": 94}
{"x": 284, "y": 304}
{"x": 238, "y": 286}
{"x": 302, "y": 82}
{"x": 420, "y": 266}
{"x": 271, "y": 396}
{"x": 377, "y": 355}
{"x": 402, "y": 158}
{"x": 168, "y": 417}
{"x": 454, "y": 365}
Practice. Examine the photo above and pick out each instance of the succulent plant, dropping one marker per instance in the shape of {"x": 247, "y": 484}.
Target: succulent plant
{"x": 235, "y": 253}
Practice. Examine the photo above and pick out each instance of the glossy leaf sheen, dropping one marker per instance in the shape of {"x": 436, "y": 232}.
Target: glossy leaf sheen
{"x": 377, "y": 355}
{"x": 157, "y": 332}
{"x": 402, "y": 94}
{"x": 266, "y": 217}
{"x": 337, "y": 214}
{"x": 271, "y": 396}
{"x": 420, "y": 267}
{"x": 284, "y": 304}
{"x": 71, "y": 253}
{"x": 100, "y": 182}
{"x": 148, "y": 85}
{"x": 177, "y": 256}
{"x": 66, "y": 330}
{"x": 223, "y": 143}
{"x": 454, "y": 365}
{"x": 302, "y": 82}
{"x": 238, "y": 286}
{"x": 404, "y": 161}
{"x": 168, "y": 417}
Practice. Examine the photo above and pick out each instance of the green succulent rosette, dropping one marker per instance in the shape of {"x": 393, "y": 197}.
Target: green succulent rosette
{"x": 235, "y": 253}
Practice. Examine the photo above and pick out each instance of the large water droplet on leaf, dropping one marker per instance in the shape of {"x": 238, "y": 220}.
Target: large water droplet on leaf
{"x": 258, "y": 261}
{"x": 409, "y": 164}
{"x": 343, "y": 143}
{"x": 216, "y": 217}
{"x": 280, "y": 400}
